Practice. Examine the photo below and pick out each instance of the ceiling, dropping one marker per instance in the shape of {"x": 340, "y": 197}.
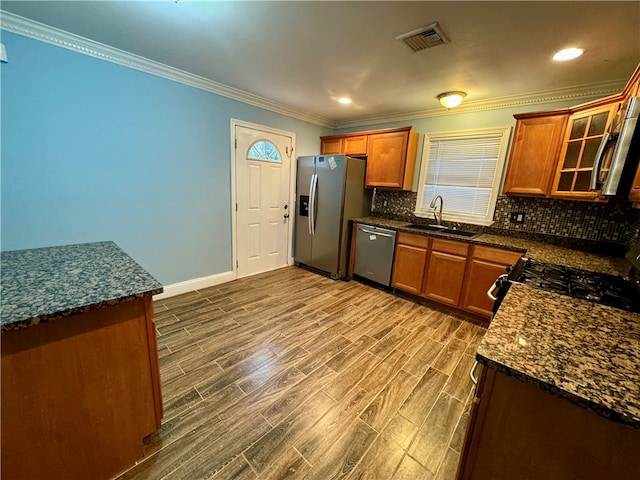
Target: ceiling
{"x": 307, "y": 54}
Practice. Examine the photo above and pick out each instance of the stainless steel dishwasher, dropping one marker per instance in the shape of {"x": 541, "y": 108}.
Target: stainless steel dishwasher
{"x": 374, "y": 253}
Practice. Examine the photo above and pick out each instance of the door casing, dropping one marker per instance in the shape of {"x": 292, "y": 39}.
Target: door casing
{"x": 234, "y": 199}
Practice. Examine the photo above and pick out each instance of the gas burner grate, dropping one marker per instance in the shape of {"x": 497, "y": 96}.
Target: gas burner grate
{"x": 591, "y": 286}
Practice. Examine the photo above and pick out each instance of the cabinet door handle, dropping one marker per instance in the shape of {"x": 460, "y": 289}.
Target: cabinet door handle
{"x": 474, "y": 379}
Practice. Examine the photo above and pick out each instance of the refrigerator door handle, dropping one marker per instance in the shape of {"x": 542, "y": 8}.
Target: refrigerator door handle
{"x": 312, "y": 204}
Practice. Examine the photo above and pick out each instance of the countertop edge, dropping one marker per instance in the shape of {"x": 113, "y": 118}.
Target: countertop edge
{"x": 559, "y": 392}
{"x": 404, "y": 227}
{"x": 46, "y": 318}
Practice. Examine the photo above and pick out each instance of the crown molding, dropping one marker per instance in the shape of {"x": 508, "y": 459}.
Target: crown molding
{"x": 39, "y": 31}
{"x": 579, "y": 93}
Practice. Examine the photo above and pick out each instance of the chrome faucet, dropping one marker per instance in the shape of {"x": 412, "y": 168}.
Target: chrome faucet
{"x": 437, "y": 215}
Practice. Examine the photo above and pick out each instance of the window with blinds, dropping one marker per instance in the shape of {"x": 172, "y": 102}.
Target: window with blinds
{"x": 465, "y": 168}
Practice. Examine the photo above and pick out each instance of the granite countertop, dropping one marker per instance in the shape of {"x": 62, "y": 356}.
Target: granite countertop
{"x": 543, "y": 252}
{"x": 578, "y": 350}
{"x": 44, "y": 284}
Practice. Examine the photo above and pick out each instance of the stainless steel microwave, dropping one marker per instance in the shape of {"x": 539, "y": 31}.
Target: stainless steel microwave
{"x": 619, "y": 151}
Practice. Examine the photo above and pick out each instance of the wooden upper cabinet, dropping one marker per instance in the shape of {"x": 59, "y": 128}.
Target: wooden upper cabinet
{"x": 355, "y": 145}
{"x": 391, "y": 154}
{"x": 553, "y": 152}
{"x": 331, "y": 146}
{"x": 582, "y": 138}
{"x": 347, "y": 145}
{"x": 391, "y": 159}
{"x": 534, "y": 154}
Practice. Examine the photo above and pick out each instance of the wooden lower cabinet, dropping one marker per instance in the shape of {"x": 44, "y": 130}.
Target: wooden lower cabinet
{"x": 516, "y": 430}
{"x": 485, "y": 266}
{"x": 410, "y": 262}
{"x": 454, "y": 273}
{"x": 80, "y": 393}
{"x": 445, "y": 277}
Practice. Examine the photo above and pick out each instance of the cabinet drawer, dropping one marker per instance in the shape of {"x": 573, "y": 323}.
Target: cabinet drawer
{"x": 450, "y": 246}
{"x": 496, "y": 255}
{"x": 420, "y": 241}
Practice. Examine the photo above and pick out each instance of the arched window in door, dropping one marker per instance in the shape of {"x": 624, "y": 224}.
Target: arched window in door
{"x": 264, "y": 150}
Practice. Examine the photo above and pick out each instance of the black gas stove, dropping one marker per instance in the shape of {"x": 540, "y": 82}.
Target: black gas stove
{"x": 594, "y": 287}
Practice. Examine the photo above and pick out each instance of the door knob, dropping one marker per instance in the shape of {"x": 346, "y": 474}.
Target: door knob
{"x": 286, "y": 215}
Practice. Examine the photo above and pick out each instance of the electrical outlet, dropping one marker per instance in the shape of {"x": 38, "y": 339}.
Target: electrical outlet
{"x": 517, "y": 217}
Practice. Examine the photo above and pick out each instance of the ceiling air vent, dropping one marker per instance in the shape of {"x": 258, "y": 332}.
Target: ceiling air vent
{"x": 425, "y": 37}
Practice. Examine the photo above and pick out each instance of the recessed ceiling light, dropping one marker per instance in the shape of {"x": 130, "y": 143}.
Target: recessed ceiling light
{"x": 568, "y": 54}
{"x": 344, "y": 100}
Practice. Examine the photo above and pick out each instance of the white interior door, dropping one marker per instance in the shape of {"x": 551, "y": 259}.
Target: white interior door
{"x": 263, "y": 177}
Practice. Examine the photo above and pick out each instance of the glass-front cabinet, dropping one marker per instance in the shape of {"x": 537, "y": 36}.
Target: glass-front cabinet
{"x": 577, "y": 158}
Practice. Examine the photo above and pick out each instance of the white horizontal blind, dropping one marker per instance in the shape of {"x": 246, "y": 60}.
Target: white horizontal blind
{"x": 464, "y": 169}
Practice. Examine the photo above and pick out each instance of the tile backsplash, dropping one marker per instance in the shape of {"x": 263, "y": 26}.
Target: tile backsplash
{"x": 614, "y": 221}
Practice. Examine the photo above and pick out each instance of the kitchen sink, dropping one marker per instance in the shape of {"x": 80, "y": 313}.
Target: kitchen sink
{"x": 444, "y": 230}
{"x": 461, "y": 233}
{"x": 429, "y": 228}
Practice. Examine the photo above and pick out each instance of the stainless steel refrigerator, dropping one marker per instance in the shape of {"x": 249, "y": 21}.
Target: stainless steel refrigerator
{"x": 329, "y": 192}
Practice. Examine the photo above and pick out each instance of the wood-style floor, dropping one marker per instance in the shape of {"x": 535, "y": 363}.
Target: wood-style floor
{"x": 289, "y": 374}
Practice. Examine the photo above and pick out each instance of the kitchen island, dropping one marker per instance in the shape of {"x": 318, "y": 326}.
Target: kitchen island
{"x": 559, "y": 393}
{"x": 80, "y": 380}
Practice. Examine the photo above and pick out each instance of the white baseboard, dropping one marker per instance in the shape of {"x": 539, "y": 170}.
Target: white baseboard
{"x": 195, "y": 284}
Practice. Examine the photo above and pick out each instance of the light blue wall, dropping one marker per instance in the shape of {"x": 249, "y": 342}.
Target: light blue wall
{"x": 95, "y": 151}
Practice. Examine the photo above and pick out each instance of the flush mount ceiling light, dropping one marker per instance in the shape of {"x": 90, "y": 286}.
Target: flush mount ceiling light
{"x": 568, "y": 54}
{"x": 344, "y": 101}
{"x": 451, "y": 99}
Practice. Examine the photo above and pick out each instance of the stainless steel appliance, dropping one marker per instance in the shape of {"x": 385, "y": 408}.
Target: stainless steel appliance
{"x": 617, "y": 156}
{"x": 330, "y": 192}
{"x": 611, "y": 290}
{"x": 374, "y": 253}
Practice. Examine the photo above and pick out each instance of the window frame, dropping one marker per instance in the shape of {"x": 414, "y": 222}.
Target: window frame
{"x": 504, "y": 133}
{"x": 270, "y": 160}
